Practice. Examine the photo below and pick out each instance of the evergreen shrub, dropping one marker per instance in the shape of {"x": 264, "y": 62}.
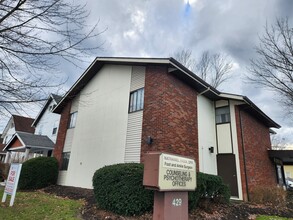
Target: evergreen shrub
{"x": 209, "y": 187}
{"x": 38, "y": 172}
{"x": 119, "y": 188}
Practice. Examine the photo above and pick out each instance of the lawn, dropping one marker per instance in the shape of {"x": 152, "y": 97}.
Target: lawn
{"x": 39, "y": 205}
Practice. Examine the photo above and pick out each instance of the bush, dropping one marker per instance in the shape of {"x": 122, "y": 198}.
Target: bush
{"x": 118, "y": 188}
{"x": 38, "y": 172}
{"x": 209, "y": 187}
{"x": 271, "y": 195}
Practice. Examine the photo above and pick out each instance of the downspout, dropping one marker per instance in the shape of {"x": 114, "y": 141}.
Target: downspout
{"x": 244, "y": 158}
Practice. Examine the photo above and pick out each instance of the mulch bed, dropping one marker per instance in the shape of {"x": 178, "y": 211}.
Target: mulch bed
{"x": 212, "y": 211}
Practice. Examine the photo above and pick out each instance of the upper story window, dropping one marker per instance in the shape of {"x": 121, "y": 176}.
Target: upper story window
{"x": 136, "y": 100}
{"x": 223, "y": 115}
{"x": 55, "y": 128}
{"x": 72, "y": 120}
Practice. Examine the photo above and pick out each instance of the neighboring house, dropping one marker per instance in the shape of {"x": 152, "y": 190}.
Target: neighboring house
{"x": 16, "y": 123}
{"x": 47, "y": 122}
{"x": 122, "y": 108}
{"x": 38, "y": 137}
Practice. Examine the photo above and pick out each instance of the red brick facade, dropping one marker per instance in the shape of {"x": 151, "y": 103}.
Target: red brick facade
{"x": 58, "y": 149}
{"x": 253, "y": 144}
{"x": 170, "y": 114}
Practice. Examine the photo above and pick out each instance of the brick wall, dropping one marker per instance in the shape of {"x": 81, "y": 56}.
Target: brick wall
{"x": 255, "y": 143}
{"x": 58, "y": 149}
{"x": 170, "y": 114}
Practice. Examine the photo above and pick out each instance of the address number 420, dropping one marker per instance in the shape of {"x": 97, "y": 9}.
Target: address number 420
{"x": 177, "y": 202}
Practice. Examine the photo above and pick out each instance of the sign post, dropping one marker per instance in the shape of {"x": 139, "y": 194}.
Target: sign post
{"x": 12, "y": 182}
{"x": 171, "y": 176}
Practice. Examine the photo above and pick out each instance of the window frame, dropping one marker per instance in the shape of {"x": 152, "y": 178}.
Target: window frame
{"x": 72, "y": 120}
{"x": 136, "y": 100}
{"x": 65, "y": 163}
{"x": 229, "y": 114}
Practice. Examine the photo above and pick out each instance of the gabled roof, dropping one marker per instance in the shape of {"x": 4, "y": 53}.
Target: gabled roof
{"x": 52, "y": 97}
{"x": 251, "y": 108}
{"x": 23, "y": 124}
{"x": 175, "y": 68}
{"x": 29, "y": 140}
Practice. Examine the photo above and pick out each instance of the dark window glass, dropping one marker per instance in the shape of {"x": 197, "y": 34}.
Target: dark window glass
{"x": 65, "y": 160}
{"x": 223, "y": 115}
{"x": 136, "y": 100}
{"x": 54, "y": 131}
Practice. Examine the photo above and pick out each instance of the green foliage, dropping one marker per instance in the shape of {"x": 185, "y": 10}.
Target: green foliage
{"x": 209, "y": 187}
{"x": 118, "y": 188}
{"x": 38, "y": 172}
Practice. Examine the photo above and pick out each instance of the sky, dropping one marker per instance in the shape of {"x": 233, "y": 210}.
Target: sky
{"x": 159, "y": 28}
{"x": 149, "y": 28}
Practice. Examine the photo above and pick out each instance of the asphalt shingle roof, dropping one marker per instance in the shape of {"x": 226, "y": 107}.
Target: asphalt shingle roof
{"x": 33, "y": 140}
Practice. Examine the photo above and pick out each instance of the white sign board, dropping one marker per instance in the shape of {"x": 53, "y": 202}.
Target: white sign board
{"x": 12, "y": 182}
{"x": 176, "y": 173}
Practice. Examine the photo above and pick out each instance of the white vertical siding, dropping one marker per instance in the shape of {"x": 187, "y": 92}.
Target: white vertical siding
{"x": 101, "y": 124}
{"x": 224, "y": 138}
{"x": 137, "y": 77}
{"x": 134, "y": 123}
{"x": 206, "y": 135}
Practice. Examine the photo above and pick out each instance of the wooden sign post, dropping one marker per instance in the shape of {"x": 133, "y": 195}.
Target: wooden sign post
{"x": 12, "y": 182}
{"x": 171, "y": 176}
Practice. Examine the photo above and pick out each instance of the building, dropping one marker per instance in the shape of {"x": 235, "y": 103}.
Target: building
{"x": 16, "y": 123}
{"x": 122, "y": 108}
{"x": 35, "y": 137}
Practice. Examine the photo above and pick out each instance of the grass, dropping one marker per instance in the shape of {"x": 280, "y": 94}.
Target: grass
{"x": 39, "y": 205}
{"x": 265, "y": 217}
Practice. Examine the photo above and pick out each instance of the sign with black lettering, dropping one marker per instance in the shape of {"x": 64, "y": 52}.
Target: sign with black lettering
{"x": 176, "y": 173}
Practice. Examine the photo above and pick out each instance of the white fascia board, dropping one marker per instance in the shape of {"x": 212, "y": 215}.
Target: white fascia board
{"x": 232, "y": 96}
{"x": 41, "y": 112}
{"x": 134, "y": 60}
{"x": 17, "y": 148}
{"x": 186, "y": 73}
{"x": 6, "y": 127}
{"x": 11, "y": 139}
{"x": 39, "y": 147}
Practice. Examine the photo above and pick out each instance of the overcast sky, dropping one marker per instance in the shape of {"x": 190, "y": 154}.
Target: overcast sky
{"x": 159, "y": 28}
{"x": 149, "y": 28}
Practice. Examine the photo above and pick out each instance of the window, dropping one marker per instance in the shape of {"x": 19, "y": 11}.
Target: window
{"x": 72, "y": 120}
{"x": 136, "y": 100}
{"x": 55, "y": 128}
{"x": 65, "y": 160}
{"x": 54, "y": 131}
{"x": 223, "y": 115}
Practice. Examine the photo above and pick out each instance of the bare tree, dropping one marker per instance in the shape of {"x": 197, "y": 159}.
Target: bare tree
{"x": 184, "y": 56}
{"x": 34, "y": 35}
{"x": 212, "y": 68}
{"x": 273, "y": 68}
